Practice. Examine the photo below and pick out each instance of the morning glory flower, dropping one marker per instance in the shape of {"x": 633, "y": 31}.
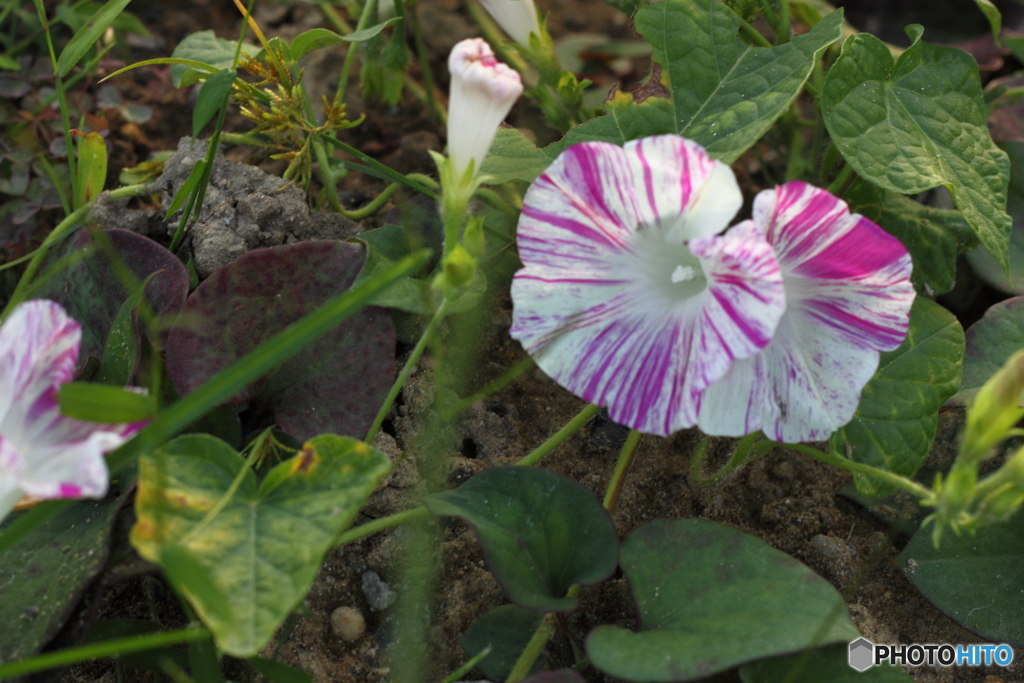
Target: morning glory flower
{"x": 483, "y": 91}
{"x": 43, "y": 454}
{"x": 517, "y": 17}
{"x": 848, "y": 297}
{"x": 629, "y": 298}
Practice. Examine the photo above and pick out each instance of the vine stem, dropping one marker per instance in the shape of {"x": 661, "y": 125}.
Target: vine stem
{"x": 840, "y": 180}
{"x": 421, "y": 512}
{"x": 611, "y": 496}
{"x": 533, "y": 648}
{"x": 410, "y": 364}
{"x": 859, "y": 468}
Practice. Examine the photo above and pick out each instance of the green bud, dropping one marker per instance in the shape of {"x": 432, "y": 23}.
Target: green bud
{"x": 958, "y": 490}
{"x": 473, "y": 235}
{"x": 999, "y": 505}
{"x": 459, "y": 268}
{"x": 997, "y": 408}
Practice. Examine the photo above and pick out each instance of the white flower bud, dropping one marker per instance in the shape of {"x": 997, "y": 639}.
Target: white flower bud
{"x": 517, "y": 17}
{"x": 483, "y": 91}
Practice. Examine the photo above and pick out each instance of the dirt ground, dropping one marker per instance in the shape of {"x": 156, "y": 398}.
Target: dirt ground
{"x": 789, "y": 500}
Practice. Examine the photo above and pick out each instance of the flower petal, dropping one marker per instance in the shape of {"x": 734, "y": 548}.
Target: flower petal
{"x": 604, "y": 319}
{"x": 38, "y": 350}
{"x": 849, "y": 296}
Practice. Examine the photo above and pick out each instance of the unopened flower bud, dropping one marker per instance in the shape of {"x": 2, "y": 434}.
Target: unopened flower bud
{"x": 517, "y": 17}
{"x": 997, "y": 408}
{"x": 458, "y": 270}
{"x": 473, "y": 235}
{"x": 483, "y": 91}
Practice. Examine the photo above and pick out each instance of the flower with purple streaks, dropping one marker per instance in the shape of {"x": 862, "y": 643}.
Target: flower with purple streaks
{"x": 43, "y": 454}
{"x": 629, "y": 297}
{"x": 848, "y": 297}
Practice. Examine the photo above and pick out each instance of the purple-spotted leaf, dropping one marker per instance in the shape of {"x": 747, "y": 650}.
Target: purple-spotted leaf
{"x": 334, "y": 385}
{"x": 541, "y": 532}
{"x": 92, "y": 293}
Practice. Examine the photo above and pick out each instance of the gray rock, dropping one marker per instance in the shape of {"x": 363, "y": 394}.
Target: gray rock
{"x": 377, "y": 593}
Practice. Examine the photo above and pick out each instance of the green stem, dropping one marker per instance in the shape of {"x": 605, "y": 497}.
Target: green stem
{"x": 560, "y": 436}
{"x": 385, "y": 170}
{"x": 513, "y": 373}
{"x": 533, "y": 649}
{"x": 841, "y": 179}
{"x": 350, "y": 55}
{"x": 907, "y": 485}
{"x": 464, "y": 670}
{"x": 752, "y": 33}
{"x": 382, "y": 524}
{"x": 106, "y": 648}
{"x": 410, "y": 364}
{"x": 611, "y": 496}
{"x": 739, "y": 456}
{"x": 373, "y": 206}
{"x": 782, "y": 28}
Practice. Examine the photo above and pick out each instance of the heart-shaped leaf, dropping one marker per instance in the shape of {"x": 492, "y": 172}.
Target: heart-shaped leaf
{"x": 248, "y": 567}
{"x": 205, "y": 47}
{"x": 92, "y": 292}
{"x": 919, "y": 123}
{"x": 42, "y": 581}
{"x": 541, "y": 532}
{"x": 334, "y": 385}
{"x": 825, "y": 664}
{"x": 711, "y": 597}
{"x": 990, "y": 343}
{"x": 894, "y": 426}
{"x": 974, "y": 579}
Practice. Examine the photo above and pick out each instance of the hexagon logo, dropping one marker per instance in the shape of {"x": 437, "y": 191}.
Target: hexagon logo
{"x": 862, "y": 654}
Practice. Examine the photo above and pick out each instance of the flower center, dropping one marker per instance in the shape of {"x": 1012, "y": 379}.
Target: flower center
{"x": 683, "y": 274}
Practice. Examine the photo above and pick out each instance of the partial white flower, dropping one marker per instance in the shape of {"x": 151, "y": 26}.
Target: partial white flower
{"x": 483, "y": 91}
{"x": 629, "y": 297}
{"x": 848, "y": 298}
{"x": 42, "y": 453}
{"x": 517, "y": 17}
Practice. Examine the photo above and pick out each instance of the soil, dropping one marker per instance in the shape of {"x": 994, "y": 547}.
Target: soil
{"x": 787, "y": 499}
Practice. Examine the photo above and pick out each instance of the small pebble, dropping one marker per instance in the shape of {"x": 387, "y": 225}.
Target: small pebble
{"x": 348, "y": 624}
{"x": 377, "y": 593}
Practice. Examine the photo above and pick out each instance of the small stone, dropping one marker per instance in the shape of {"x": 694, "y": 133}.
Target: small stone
{"x": 377, "y": 592}
{"x": 832, "y": 557}
{"x": 348, "y": 624}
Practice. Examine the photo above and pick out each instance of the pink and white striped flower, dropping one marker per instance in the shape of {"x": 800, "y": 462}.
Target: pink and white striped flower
{"x": 629, "y": 298}
{"x": 848, "y": 296}
{"x": 42, "y": 453}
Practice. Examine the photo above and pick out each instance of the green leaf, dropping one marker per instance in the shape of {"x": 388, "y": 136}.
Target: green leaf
{"x": 249, "y": 566}
{"x": 514, "y": 157}
{"x": 919, "y": 123}
{"x": 43, "y": 581}
{"x": 710, "y": 86}
{"x": 990, "y": 343}
{"x": 541, "y": 532}
{"x": 995, "y": 19}
{"x": 627, "y": 6}
{"x": 981, "y": 261}
{"x": 895, "y": 423}
{"x": 316, "y": 38}
{"x": 384, "y": 246}
{"x": 507, "y": 629}
{"x": 934, "y": 237}
{"x": 92, "y": 166}
{"x": 974, "y": 579}
{"x": 205, "y": 47}
{"x": 105, "y": 403}
{"x": 711, "y": 597}
{"x": 121, "y": 352}
{"x": 87, "y": 36}
{"x": 212, "y": 96}
{"x": 187, "y": 188}
{"x": 825, "y": 664}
